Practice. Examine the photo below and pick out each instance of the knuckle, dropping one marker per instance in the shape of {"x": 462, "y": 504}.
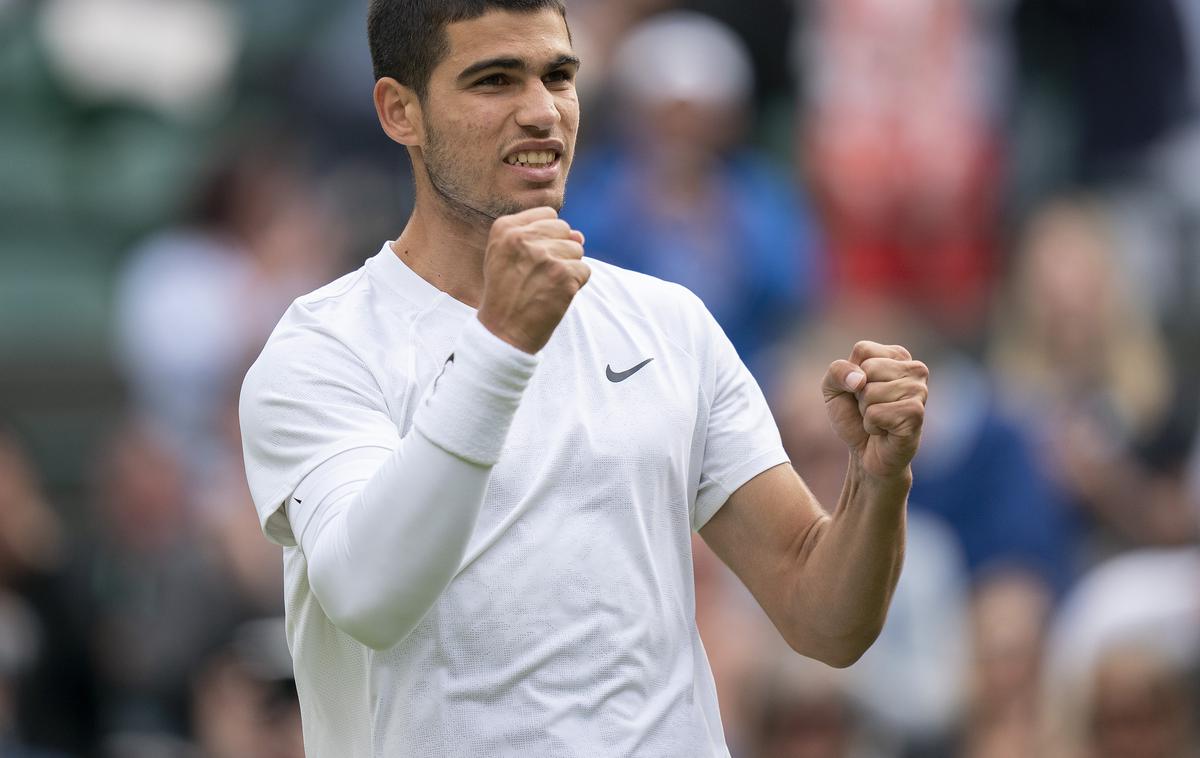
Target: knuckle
{"x": 558, "y": 273}
{"x": 520, "y": 235}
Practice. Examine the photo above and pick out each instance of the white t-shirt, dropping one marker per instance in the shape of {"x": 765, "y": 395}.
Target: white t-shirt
{"x": 569, "y": 629}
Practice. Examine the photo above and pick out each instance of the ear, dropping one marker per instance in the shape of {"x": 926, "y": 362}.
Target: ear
{"x": 399, "y": 111}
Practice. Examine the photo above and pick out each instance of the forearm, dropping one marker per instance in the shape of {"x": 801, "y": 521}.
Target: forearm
{"x": 384, "y": 537}
{"x": 381, "y": 562}
{"x": 849, "y": 565}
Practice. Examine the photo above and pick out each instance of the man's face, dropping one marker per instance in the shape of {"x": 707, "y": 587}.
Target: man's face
{"x": 501, "y": 114}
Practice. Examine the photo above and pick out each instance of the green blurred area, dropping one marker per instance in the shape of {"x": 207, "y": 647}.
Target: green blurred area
{"x": 80, "y": 183}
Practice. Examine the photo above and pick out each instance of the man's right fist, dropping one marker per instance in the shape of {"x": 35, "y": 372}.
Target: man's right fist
{"x": 531, "y": 272}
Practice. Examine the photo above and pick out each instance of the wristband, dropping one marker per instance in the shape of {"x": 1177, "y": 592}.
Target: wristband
{"x": 469, "y": 407}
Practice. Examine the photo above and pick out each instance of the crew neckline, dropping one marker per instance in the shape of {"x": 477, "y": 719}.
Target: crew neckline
{"x": 397, "y": 274}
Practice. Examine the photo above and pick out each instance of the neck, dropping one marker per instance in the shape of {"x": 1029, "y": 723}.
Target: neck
{"x": 445, "y": 248}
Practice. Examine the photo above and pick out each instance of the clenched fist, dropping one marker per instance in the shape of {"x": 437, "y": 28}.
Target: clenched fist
{"x": 876, "y": 403}
{"x": 531, "y": 272}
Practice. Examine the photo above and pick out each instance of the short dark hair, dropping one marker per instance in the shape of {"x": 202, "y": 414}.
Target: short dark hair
{"x": 408, "y": 38}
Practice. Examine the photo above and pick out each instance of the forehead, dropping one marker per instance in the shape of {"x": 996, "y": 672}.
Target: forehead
{"x": 532, "y": 36}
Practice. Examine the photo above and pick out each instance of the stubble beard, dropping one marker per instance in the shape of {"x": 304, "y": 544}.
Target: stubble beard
{"x": 446, "y": 176}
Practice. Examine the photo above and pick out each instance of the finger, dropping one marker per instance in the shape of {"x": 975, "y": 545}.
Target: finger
{"x": 528, "y": 215}
{"x": 550, "y": 228}
{"x": 842, "y": 377}
{"x": 875, "y": 393}
{"x": 564, "y": 248}
{"x": 880, "y": 393}
{"x": 890, "y": 369}
{"x": 865, "y": 349}
{"x": 578, "y": 236}
{"x": 902, "y": 418}
{"x": 579, "y": 271}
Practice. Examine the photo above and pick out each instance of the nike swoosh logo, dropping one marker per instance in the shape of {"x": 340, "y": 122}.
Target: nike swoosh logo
{"x": 620, "y": 376}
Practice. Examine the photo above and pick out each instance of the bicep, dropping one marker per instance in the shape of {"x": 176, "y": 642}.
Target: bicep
{"x": 764, "y": 531}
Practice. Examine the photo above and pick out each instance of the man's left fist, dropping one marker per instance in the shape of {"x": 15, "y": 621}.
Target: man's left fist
{"x": 876, "y": 403}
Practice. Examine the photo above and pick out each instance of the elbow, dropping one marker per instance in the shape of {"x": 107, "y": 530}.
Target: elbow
{"x": 376, "y": 625}
{"x": 376, "y": 614}
{"x": 378, "y": 639}
{"x": 840, "y": 651}
{"x": 843, "y": 656}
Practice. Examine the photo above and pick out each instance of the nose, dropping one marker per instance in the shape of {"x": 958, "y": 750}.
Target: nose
{"x": 538, "y": 108}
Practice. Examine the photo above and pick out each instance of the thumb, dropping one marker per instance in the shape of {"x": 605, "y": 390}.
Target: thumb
{"x": 842, "y": 377}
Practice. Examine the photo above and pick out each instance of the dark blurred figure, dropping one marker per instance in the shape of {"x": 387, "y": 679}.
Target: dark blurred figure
{"x": 20, "y": 644}
{"x": 1107, "y": 79}
{"x": 244, "y": 700}
{"x": 677, "y": 196}
{"x": 46, "y": 695}
{"x": 159, "y": 599}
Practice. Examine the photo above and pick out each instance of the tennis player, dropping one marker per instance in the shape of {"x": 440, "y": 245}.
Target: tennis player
{"x": 484, "y": 454}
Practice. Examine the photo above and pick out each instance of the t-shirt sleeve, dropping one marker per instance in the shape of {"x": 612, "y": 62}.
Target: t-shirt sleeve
{"x": 741, "y": 438}
{"x": 306, "y": 399}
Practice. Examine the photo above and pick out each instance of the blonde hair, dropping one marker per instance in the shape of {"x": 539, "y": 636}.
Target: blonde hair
{"x": 1129, "y": 366}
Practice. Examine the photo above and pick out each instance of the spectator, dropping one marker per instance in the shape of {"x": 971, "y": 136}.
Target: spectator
{"x": 46, "y": 693}
{"x": 1119, "y": 650}
{"x": 896, "y": 137}
{"x": 1140, "y": 708}
{"x": 977, "y": 471}
{"x": 1083, "y": 361}
{"x": 1010, "y": 612}
{"x": 158, "y": 598}
{"x": 195, "y": 300}
{"x": 677, "y": 196}
{"x": 244, "y": 697}
{"x": 806, "y": 711}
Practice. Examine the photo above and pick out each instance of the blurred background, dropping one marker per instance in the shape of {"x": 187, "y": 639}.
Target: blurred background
{"x": 1011, "y": 188}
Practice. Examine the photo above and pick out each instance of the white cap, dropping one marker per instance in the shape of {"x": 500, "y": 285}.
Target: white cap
{"x": 682, "y": 55}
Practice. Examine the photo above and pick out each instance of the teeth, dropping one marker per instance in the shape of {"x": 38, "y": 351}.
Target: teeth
{"x": 535, "y": 158}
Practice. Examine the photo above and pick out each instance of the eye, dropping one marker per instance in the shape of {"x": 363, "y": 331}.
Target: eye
{"x": 493, "y": 80}
{"x": 560, "y": 76}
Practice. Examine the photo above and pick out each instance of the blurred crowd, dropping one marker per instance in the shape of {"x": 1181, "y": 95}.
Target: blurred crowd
{"x": 1010, "y": 188}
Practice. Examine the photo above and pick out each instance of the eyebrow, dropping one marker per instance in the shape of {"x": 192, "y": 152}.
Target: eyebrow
{"x": 514, "y": 64}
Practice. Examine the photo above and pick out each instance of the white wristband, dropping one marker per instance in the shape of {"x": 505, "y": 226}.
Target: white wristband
{"x": 470, "y": 405}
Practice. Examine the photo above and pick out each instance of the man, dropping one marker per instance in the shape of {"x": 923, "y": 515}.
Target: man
{"x": 485, "y": 474}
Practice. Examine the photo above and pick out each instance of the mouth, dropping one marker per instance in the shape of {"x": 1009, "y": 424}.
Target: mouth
{"x": 533, "y": 158}
{"x": 538, "y": 166}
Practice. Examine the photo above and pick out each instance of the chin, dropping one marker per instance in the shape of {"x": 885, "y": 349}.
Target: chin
{"x": 554, "y": 199}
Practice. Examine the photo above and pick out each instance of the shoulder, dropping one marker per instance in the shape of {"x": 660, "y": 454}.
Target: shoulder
{"x": 331, "y": 339}
{"x": 313, "y": 323}
{"x": 646, "y": 295}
